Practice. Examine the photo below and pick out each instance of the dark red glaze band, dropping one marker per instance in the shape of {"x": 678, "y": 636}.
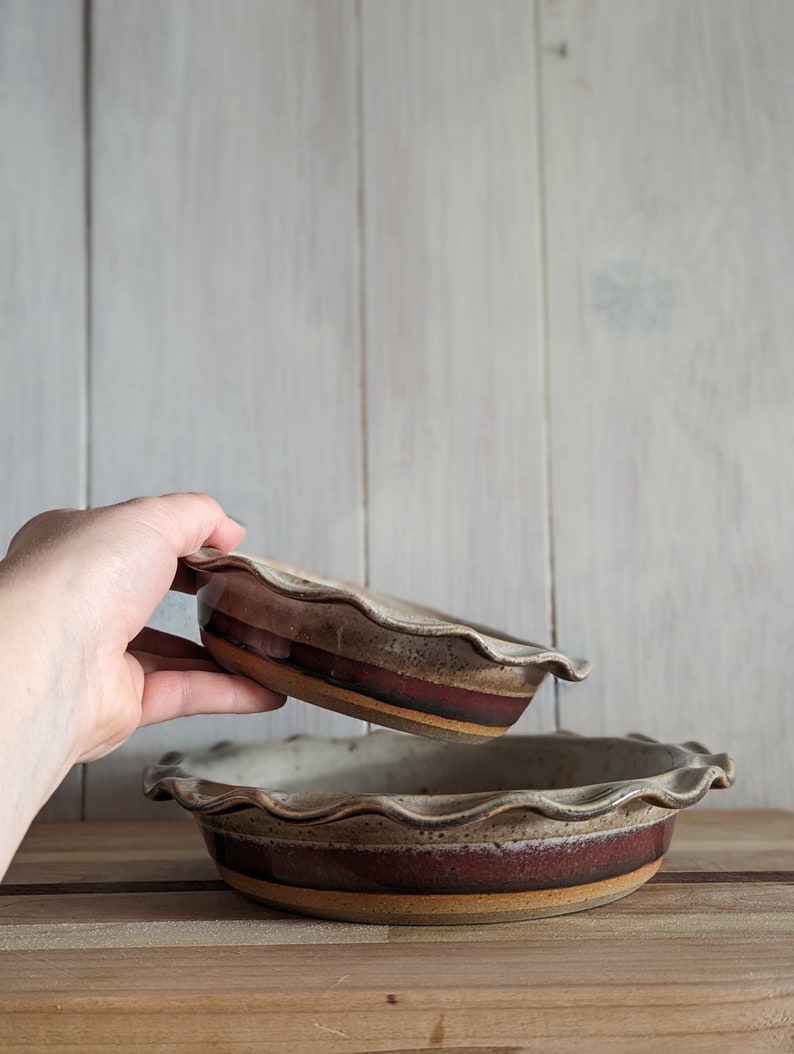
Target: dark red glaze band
{"x": 439, "y": 868}
{"x": 375, "y": 682}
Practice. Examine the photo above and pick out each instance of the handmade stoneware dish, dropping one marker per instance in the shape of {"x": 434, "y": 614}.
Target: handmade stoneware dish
{"x": 386, "y": 828}
{"x": 369, "y": 656}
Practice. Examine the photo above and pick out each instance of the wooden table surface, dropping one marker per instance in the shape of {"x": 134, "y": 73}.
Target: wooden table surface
{"x": 121, "y": 937}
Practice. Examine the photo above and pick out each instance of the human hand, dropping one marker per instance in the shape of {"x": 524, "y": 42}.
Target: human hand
{"x": 76, "y": 591}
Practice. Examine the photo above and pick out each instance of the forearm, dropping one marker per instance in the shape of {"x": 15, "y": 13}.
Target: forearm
{"x": 34, "y": 759}
{"x": 36, "y": 747}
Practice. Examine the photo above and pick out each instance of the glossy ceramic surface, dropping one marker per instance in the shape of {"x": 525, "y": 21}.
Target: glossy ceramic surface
{"x": 395, "y": 829}
{"x": 369, "y": 656}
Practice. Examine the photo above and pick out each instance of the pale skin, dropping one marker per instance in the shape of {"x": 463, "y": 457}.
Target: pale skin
{"x": 80, "y": 670}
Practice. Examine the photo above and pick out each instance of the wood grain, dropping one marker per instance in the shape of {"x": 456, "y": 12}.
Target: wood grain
{"x": 670, "y": 220}
{"x": 226, "y": 306}
{"x": 289, "y": 997}
{"x": 454, "y": 353}
{"x": 187, "y": 917}
{"x": 710, "y": 962}
{"x": 42, "y": 274}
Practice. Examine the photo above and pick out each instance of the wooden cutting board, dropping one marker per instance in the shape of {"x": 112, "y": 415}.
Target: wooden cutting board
{"x": 120, "y": 936}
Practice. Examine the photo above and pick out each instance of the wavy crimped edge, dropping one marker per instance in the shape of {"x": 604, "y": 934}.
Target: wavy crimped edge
{"x": 386, "y": 612}
{"x": 693, "y": 772}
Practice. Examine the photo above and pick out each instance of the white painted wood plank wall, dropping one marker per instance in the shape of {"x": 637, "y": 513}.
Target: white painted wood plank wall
{"x": 669, "y": 146}
{"x": 366, "y": 271}
{"x": 456, "y": 435}
{"x": 225, "y": 306}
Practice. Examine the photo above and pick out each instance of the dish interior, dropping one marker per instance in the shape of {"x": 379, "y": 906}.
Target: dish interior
{"x": 392, "y": 763}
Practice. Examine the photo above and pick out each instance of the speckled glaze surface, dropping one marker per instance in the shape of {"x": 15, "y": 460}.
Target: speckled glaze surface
{"x": 394, "y": 829}
{"x": 350, "y": 650}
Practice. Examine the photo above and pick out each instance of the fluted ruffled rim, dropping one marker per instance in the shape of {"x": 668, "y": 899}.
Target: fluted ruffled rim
{"x": 388, "y": 613}
{"x": 692, "y": 772}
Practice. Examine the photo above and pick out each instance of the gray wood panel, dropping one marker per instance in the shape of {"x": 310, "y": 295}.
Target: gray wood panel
{"x": 42, "y": 274}
{"x": 669, "y": 129}
{"x": 456, "y": 451}
{"x": 225, "y": 299}
{"x": 365, "y": 271}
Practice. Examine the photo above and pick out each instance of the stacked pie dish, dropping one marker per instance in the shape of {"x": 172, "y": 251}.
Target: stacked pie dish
{"x": 420, "y": 829}
{"x": 369, "y": 656}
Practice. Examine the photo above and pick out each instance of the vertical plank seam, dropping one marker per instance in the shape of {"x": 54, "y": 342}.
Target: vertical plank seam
{"x": 87, "y": 307}
{"x": 362, "y": 286}
{"x": 87, "y": 207}
{"x": 358, "y": 15}
{"x": 543, "y": 335}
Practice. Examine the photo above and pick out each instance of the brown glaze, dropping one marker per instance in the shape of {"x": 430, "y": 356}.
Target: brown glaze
{"x": 399, "y": 690}
{"x": 443, "y": 720}
{"x": 387, "y": 828}
{"x": 348, "y": 649}
{"x": 509, "y": 867}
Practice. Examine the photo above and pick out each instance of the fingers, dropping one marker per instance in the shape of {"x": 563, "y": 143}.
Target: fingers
{"x": 183, "y": 693}
{"x": 138, "y": 542}
{"x": 186, "y": 521}
{"x": 151, "y": 662}
{"x": 189, "y": 521}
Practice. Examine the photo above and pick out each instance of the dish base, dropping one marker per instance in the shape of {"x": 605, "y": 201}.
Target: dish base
{"x": 438, "y": 909}
{"x": 341, "y": 699}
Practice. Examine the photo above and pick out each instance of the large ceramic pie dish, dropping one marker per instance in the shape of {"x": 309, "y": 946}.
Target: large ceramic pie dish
{"x": 388, "y": 828}
{"x": 366, "y": 655}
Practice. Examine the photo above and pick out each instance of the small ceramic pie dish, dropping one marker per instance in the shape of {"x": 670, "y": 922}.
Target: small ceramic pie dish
{"x": 385, "y": 828}
{"x": 369, "y": 656}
